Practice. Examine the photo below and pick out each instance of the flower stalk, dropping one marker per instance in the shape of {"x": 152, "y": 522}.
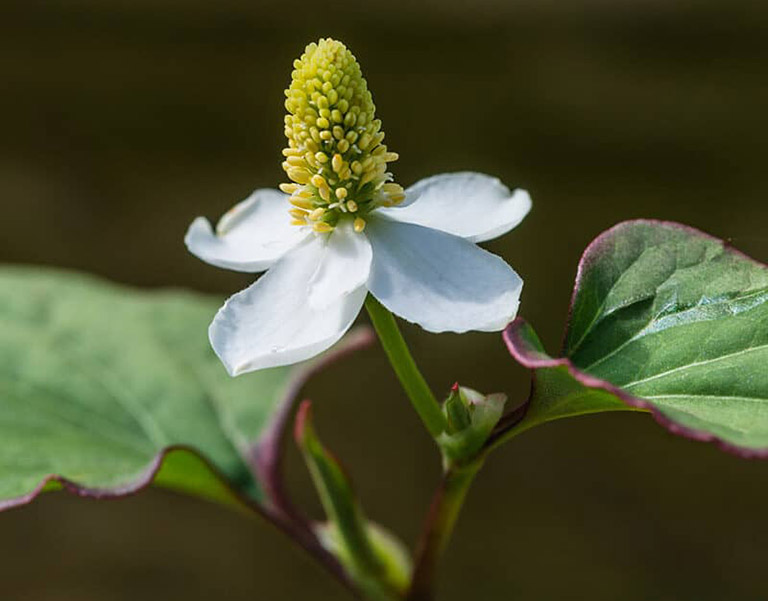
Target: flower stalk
{"x": 438, "y": 527}
{"x": 414, "y": 384}
{"x": 342, "y": 231}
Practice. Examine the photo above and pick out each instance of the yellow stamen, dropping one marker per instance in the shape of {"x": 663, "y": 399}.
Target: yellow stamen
{"x": 392, "y": 188}
{"x": 389, "y": 157}
{"x": 337, "y": 163}
{"x": 300, "y": 176}
{"x": 318, "y": 181}
{"x": 321, "y": 227}
{"x": 359, "y": 224}
{"x": 364, "y": 141}
{"x": 301, "y": 203}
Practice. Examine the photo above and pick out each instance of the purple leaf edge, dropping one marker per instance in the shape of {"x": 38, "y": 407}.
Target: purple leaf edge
{"x": 143, "y": 481}
{"x": 266, "y": 455}
{"x": 357, "y": 339}
{"x": 264, "y": 459}
{"x": 520, "y": 350}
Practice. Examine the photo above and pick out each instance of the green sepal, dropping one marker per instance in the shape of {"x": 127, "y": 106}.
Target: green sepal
{"x": 392, "y": 554}
{"x": 471, "y": 417}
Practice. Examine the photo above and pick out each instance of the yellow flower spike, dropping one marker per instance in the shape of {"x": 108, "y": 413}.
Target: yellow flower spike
{"x": 334, "y": 148}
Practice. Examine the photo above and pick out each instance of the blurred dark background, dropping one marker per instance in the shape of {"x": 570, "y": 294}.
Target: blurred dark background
{"x": 123, "y": 120}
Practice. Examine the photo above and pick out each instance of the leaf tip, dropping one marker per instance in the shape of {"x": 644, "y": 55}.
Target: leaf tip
{"x": 302, "y": 423}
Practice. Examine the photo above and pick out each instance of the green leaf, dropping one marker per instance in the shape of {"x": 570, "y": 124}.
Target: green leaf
{"x": 105, "y": 389}
{"x": 376, "y": 561}
{"x": 667, "y": 319}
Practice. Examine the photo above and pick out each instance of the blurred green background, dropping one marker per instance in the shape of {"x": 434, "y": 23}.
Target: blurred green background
{"x": 123, "y": 120}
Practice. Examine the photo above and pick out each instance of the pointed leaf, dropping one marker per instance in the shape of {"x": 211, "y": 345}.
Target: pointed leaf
{"x": 375, "y": 560}
{"x": 105, "y": 389}
{"x": 667, "y": 319}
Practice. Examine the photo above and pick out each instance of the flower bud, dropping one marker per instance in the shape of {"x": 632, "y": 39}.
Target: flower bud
{"x": 470, "y": 417}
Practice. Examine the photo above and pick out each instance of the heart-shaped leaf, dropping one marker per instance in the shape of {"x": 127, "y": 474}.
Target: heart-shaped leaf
{"x": 105, "y": 389}
{"x": 663, "y": 318}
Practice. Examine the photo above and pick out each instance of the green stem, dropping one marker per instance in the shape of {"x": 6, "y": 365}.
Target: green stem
{"x": 405, "y": 367}
{"x": 438, "y": 527}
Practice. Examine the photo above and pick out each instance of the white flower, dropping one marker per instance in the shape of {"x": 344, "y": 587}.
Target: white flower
{"x": 342, "y": 228}
{"x": 419, "y": 259}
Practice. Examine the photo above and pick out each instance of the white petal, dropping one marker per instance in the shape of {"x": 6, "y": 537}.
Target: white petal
{"x": 249, "y": 237}
{"x": 474, "y": 206}
{"x": 271, "y": 323}
{"x": 441, "y": 282}
{"x": 344, "y": 266}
